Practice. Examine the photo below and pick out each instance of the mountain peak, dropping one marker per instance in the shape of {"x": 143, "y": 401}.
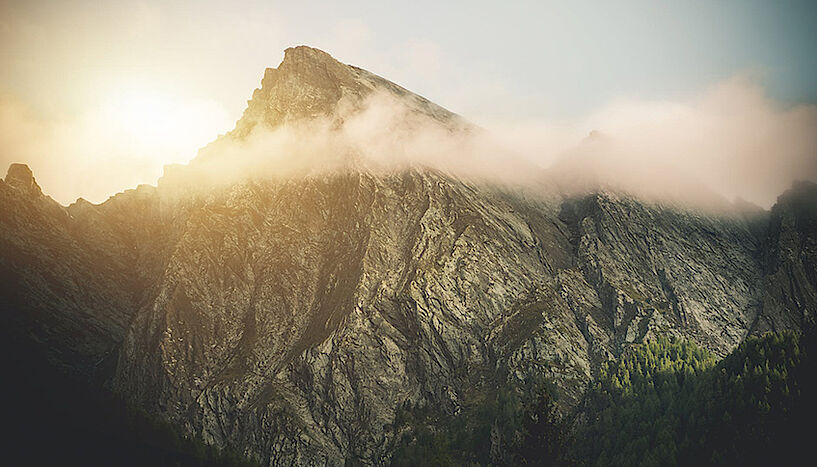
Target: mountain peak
{"x": 304, "y": 53}
{"x": 313, "y": 66}
{"x": 21, "y": 177}
{"x": 310, "y": 83}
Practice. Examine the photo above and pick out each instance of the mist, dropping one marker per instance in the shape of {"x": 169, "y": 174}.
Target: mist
{"x": 729, "y": 142}
{"x": 384, "y": 133}
{"x": 731, "y": 139}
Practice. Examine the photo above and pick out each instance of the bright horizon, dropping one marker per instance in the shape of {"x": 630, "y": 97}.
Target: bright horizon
{"x": 96, "y": 99}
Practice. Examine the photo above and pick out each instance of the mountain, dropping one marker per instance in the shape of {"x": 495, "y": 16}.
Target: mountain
{"x": 295, "y": 318}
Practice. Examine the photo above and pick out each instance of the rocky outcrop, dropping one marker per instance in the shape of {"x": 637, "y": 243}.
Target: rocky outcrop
{"x": 318, "y": 307}
{"x": 20, "y": 177}
{"x": 290, "y": 318}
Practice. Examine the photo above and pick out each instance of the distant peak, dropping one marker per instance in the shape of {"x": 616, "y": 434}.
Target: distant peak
{"x": 309, "y": 63}
{"x": 18, "y": 172}
{"x": 21, "y": 177}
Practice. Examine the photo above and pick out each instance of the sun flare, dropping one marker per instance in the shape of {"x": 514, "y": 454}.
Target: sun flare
{"x": 147, "y": 116}
{"x": 161, "y": 124}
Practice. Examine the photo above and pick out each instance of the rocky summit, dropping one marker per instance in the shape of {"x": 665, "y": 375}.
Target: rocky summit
{"x": 293, "y": 319}
{"x": 309, "y": 83}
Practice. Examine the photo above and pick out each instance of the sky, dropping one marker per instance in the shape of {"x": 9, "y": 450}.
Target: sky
{"x": 122, "y": 88}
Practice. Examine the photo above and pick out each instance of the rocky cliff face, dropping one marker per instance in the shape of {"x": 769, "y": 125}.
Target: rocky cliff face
{"x": 790, "y": 261}
{"x": 291, "y": 318}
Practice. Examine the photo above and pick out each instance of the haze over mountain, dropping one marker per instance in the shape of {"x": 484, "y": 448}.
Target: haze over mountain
{"x": 351, "y": 252}
{"x": 731, "y": 131}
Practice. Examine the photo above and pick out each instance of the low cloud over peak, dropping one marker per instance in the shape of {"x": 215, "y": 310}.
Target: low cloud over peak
{"x": 731, "y": 140}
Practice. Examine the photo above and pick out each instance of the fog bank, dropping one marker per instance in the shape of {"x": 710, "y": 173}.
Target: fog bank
{"x": 731, "y": 140}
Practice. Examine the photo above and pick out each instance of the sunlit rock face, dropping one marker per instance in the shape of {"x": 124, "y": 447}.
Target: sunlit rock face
{"x": 309, "y": 83}
{"x": 290, "y": 318}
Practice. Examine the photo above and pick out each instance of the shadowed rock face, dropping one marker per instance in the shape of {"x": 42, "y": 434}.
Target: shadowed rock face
{"x": 291, "y": 318}
{"x": 790, "y": 260}
{"x": 20, "y": 176}
{"x": 72, "y": 278}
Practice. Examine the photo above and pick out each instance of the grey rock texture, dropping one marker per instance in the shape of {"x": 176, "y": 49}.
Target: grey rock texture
{"x": 659, "y": 270}
{"x": 291, "y": 318}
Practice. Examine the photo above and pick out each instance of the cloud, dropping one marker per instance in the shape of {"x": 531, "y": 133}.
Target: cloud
{"x": 732, "y": 138}
{"x": 384, "y": 133}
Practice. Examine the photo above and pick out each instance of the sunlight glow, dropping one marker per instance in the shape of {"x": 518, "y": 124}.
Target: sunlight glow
{"x": 146, "y": 116}
{"x": 125, "y": 138}
{"x": 161, "y": 126}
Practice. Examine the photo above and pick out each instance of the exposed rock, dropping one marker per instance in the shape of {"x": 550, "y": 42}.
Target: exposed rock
{"x": 19, "y": 176}
{"x": 309, "y": 83}
{"x": 790, "y": 261}
{"x": 660, "y": 270}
